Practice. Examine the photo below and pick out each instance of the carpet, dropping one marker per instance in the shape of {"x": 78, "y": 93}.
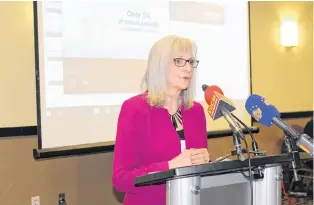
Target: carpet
{"x": 297, "y": 201}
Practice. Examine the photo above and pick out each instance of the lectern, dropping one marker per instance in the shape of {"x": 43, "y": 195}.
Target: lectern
{"x": 223, "y": 183}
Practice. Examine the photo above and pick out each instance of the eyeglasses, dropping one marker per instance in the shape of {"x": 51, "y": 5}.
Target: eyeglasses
{"x": 180, "y": 62}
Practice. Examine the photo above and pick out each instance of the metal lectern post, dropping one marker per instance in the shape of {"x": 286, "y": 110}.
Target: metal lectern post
{"x": 228, "y": 189}
{"x": 184, "y": 191}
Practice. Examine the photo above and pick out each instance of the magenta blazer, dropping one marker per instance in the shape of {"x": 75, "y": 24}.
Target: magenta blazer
{"x": 146, "y": 140}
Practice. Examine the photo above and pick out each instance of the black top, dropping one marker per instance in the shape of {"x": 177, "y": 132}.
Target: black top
{"x": 181, "y": 134}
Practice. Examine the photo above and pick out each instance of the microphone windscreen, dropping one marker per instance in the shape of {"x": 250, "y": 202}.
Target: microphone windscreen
{"x": 256, "y": 106}
{"x": 210, "y": 91}
{"x": 216, "y": 100}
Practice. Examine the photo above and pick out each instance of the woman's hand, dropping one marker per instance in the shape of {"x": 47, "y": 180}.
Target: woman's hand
{"x": 182, "y": 160}
{"x": 199, "y": 156}
{"x": 190, "y": 157}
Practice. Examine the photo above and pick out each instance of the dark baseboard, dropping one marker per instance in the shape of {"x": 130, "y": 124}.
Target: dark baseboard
{"x": 18, "y": 131}
{"x": 294, "y": 115}
{"x": 71, "y": 151}
{"x": 304, "y": 114}
{"x": 226, "y": 133}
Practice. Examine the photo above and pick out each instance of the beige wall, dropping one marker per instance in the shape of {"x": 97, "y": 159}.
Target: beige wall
{"x": 17, "y": 79}
{"x": 87, "y": 179}
{"x": 283, "y": 75}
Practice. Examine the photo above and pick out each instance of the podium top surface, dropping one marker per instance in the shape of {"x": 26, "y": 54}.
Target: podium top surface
{"x": 216, "y": 168}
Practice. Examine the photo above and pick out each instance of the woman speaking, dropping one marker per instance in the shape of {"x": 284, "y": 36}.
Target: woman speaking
{"x": 163, "y": 127}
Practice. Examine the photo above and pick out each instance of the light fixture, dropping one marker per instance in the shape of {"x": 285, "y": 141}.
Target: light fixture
{"x": 289, "y": 33}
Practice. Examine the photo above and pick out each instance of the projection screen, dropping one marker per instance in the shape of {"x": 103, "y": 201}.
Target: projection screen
{"x": 91, "y": 56}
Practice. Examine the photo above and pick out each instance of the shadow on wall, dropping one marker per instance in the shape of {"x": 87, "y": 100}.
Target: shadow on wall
{"x": 118, "y": 195}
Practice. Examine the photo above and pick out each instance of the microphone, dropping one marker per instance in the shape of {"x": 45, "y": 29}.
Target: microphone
{"x": 220, "y": 106}
{"x": 268, "y": 115}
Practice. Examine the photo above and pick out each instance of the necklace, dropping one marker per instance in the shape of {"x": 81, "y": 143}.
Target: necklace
{"x": 176, "y": 118}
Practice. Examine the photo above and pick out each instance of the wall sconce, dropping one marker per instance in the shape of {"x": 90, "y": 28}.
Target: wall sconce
{"x": 289, "y": 33}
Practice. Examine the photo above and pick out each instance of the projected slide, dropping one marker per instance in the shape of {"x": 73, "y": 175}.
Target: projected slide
{"x": 92, "y": 56}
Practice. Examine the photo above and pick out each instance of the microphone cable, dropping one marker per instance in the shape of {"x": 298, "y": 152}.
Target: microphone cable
{"x": 248, "y": 155}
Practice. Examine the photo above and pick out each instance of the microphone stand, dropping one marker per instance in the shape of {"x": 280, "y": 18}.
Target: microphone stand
{"x": 296, "y": 187}
{"x": 303, "y": 141}
{"x": 238, "y": 150}
{"x": 237, "y": 135}
{"x": 293, "y": 163}
{"x": 257, "y": 173}
{"x": 255, "y": 151}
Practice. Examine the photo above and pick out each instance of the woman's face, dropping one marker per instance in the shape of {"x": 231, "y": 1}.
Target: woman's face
{"x": 180, "y": 70}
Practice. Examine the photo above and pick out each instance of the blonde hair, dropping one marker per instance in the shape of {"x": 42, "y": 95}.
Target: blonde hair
{"x": 155, "y": 75}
